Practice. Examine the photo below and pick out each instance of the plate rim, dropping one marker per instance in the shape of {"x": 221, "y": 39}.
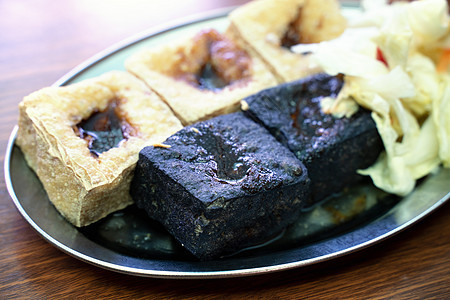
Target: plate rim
{"x": 139, "y": 37}
{"x": 79, "y": 69}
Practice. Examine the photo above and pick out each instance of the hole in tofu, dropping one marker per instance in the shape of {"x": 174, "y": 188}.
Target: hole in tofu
{"x": 208, "y": 78}
{"x": 292, "y": 35}
{"x": 229, "y": 162}
{"x": 307, "y": 116}
{"x": 213, "y": 62}
{"x": 314, "y": 22}
{"x": 105, "y": 129}
{"x": 309, "y": 120}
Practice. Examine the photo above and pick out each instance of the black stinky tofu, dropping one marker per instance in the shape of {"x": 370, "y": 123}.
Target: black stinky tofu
{"x": 223, "y": 185}
{"x": 332, "y": 149}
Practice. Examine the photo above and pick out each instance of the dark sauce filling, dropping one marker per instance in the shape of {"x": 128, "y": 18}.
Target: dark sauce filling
{"x": 104, "y": 130}
{"x": 213, "y": 63}
{"x": 230, "y": 162}
{"x": 311, "y": 121}
{"x": 307, "y": 117}
{"x": 209, "y": 79}
{"x": 292, "y": 36}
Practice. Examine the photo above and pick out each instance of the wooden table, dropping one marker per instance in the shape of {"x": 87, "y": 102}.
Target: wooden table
{"x": 42, "y": 40}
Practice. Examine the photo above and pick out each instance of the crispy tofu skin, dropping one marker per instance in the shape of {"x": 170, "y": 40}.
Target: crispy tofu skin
{"x": 177, "y": 71}
{"x": 268, "y": 28}
{"x": 332, "y": 149}
{"x": 83, "y": 187}
{"x": 223, "y": 185}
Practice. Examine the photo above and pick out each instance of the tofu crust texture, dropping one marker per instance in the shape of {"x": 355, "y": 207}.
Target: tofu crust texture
{"x": 263, "y": 26}
{"x": 332, "y": 149}
{"x": 223, "y": 185}
{"x": 82, "y": 187}
{"x": 171, "y": 71}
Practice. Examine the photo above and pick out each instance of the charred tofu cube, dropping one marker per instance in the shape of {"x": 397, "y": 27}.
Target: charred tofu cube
{"x": 221, "y": 185}
{"x": 332, "y": 149}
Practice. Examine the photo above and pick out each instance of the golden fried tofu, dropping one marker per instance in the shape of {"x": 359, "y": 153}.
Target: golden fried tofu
{"x": 202, "y": 76}
{"x": 269, "y": 28}
{"x": 83, "y": 141}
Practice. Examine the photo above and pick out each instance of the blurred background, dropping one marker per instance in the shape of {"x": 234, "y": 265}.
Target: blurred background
{"x": 37, "y": 35}
{"x": 41, "y": 40}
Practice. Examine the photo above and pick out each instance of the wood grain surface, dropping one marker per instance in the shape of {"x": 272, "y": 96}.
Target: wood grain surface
{"x": 42, "y": 40}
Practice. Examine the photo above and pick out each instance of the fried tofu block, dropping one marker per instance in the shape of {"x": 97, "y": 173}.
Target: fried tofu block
{"x": 222, "y": 185}
{"x": 332, "y": 149}
{"x": 83, "y": 141}
{"x": 201, "y": 77}
{"x": 269, "y": 28}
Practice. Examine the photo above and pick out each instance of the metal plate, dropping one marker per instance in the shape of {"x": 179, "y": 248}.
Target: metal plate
{"x": 129, "y": 242}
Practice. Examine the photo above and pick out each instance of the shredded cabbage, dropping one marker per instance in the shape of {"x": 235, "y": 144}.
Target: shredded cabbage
{"x": 441, "y": 118}
{"x": 409, "y": 99}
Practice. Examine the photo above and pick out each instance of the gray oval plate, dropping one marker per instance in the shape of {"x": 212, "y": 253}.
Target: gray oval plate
{"x": 128, "y": 242}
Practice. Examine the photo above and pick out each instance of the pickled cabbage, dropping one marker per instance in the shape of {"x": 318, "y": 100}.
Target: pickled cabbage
{"x": 390, "y": 54}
